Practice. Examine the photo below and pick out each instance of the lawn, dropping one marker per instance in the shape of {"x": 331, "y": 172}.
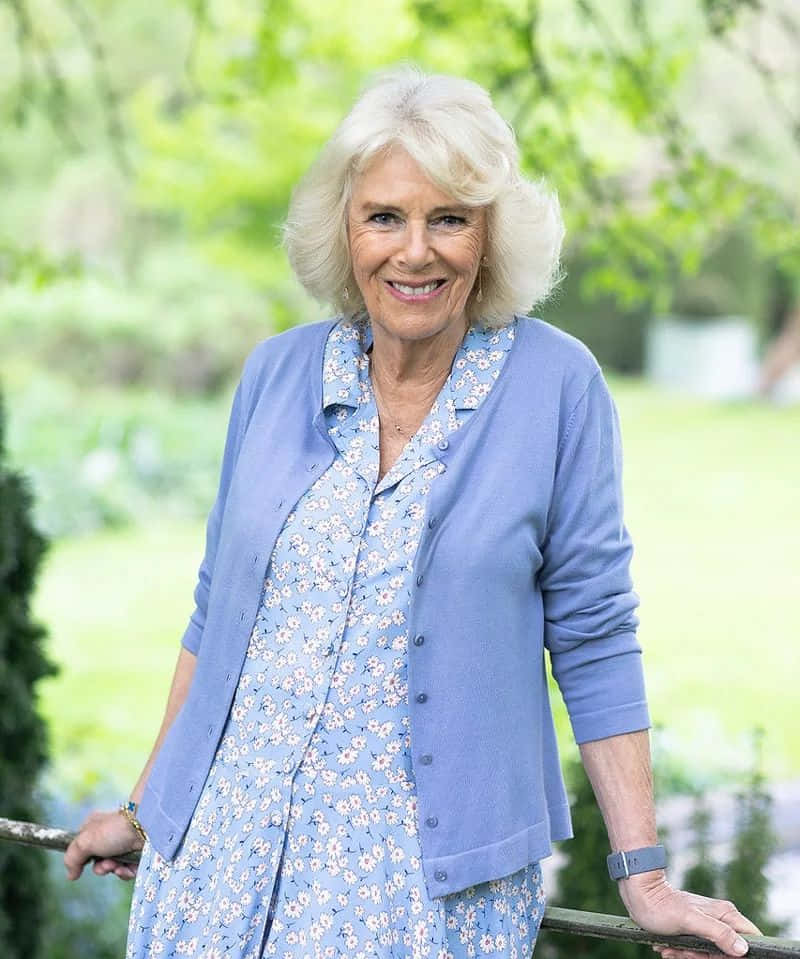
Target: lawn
{"x": 713, "y": 505}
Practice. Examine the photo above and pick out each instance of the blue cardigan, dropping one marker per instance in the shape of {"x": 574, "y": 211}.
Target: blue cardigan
{"x": 523, "y": 549}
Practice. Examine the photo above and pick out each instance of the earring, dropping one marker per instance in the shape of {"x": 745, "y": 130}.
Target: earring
{"x": 479, "y": 297}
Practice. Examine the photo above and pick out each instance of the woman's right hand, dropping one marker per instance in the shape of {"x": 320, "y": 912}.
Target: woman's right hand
{"x": 103, "y": 836}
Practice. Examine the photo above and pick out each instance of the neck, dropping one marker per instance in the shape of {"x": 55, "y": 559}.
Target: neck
{"x": 407, "y": 369}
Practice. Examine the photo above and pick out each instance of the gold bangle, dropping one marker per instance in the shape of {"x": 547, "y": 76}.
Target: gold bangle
{"x": 129, "y": 810}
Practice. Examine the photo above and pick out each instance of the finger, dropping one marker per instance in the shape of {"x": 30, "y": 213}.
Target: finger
{"x": 102, "y": 867}
{"x": 125, "y": 872}
{"x": 724, "y": 936}
{"x": 727, "y": 912}
{"x": 74, "y": 860}
{"x": 669, "y": 953}
{"x": 740, "y": 923}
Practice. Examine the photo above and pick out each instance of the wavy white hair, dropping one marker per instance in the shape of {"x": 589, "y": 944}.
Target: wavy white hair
{"x": 450, "y": 128}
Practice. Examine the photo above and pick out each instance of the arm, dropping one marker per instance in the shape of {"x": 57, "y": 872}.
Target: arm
{"x": 107, "y": 834}
{"x": 619, "y": 770}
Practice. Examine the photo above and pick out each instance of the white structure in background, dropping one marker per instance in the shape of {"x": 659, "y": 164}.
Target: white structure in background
{"x": 714, "y": 358}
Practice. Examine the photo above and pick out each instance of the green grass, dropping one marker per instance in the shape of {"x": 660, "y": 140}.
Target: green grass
{"x": 712, "y": 504}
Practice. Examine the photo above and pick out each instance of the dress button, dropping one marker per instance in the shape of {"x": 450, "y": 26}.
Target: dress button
{"x": 421, "y": 697}
{"x": 419, "y": 640}
{"x": 420, "y": 578}
{"x": 432, "y": 821}
{"x": 276, "y": 819}
{"x": 440, "y": 875}
{"x": 426, "y": 759}
{"x": 443, "y": 444}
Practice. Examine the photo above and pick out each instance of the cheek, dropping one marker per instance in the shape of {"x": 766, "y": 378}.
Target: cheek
{"x": 467, "y": 257}
{"x": 367, "y": 252}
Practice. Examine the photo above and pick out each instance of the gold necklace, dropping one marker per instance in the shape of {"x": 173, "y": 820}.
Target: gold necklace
{"x": 382, "y": 407}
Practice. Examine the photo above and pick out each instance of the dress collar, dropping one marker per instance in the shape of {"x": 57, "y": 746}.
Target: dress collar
{"x": 346, "y": 365}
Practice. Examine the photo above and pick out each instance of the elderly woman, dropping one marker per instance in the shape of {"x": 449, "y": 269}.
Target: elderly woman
{"x": 417, "y": 499}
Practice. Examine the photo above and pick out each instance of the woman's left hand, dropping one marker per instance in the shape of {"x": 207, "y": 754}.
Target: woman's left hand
{"x": 656, "y": 906}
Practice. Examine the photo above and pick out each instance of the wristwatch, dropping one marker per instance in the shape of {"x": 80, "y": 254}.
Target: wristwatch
{"x": 631, "y": 862}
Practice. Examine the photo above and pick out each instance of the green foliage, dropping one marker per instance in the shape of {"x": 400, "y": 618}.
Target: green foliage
{"x": 597, "y": 95}
{"x": 703, "y": 875}
{"x": 102, "y": 457}
{"x": 23, "y": 740}
{"x": 745, "y": 880}
{"x": 215, "y": 110}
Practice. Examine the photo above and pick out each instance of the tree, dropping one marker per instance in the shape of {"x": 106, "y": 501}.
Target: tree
{"x": 703, "y": 875}
{"x": 23, "y": 740}
{"x": 745, "y": 879}
{"x": 612, "y": 102}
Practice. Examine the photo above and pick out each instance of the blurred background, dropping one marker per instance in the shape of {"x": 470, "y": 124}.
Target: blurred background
{"x": 147, "y": 154}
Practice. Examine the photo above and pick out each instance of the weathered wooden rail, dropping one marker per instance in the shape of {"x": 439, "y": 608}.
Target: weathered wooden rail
{"x": 572, "y": 921}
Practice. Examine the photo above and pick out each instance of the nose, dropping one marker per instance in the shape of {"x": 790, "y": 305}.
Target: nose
{"x": 415, "y": 253}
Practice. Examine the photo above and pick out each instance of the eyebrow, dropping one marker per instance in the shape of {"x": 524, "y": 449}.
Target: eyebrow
{"x": 372, "y": 207}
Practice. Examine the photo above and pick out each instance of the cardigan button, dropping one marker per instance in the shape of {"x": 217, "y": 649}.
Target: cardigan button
{"x": 440, "y": 875}
{"x": 426, "y": 759}
{"x": 420, "y": 579}
{"x": 421, "y": 697}
{"x": 419, "y": 640}
{"x": 432, "y": 821}
{"x": 432, "y": 522}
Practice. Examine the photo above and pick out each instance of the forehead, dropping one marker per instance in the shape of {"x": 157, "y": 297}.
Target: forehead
{"x": 396, "y": 179}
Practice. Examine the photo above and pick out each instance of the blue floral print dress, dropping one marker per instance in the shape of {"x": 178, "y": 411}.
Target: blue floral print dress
{"x": 305, "y": 840}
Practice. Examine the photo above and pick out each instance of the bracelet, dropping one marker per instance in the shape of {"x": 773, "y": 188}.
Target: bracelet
{"x": 632, "y": 862}
{"x": 129, "y": 810}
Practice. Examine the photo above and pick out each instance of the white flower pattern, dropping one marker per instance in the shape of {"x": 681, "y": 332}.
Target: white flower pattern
{"x": 304, "y": 842}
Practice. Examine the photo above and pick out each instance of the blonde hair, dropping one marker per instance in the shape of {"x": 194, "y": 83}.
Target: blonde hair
{"x": 450, "y": 128}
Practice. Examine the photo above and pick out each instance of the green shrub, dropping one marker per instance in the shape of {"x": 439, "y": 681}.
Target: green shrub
{"x": 744, "y": 878}
{"x": 23, "y": 740}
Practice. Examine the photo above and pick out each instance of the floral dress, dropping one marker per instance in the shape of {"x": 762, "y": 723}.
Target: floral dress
{"x": 305, "y": 840}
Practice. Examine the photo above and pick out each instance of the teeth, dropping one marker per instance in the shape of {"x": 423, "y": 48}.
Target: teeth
{"x": 416, "y": 290}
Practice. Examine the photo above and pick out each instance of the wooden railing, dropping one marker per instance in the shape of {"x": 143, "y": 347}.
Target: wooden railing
{"x": 573, "y": 921}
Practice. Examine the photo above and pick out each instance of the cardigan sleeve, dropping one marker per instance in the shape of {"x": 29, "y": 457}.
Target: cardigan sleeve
{"x": 589, "y": 603}
{"x": 193, "y": 635}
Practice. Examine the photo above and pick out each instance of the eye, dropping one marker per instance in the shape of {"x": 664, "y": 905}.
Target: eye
{"x": 383, "y": 219}
{"x": 450, "y": 220}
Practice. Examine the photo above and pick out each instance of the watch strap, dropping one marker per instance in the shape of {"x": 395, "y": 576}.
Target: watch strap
{"x": 633, "y": 861}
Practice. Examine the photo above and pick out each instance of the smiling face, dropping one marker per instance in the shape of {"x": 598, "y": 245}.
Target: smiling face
{"x": 415, "y": 251}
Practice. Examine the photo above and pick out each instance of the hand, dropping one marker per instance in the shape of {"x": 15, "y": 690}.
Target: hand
{"x": 654, "y": 905}
{"x": 103, "y": 836}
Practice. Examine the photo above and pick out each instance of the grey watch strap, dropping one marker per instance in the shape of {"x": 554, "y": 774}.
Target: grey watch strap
{"x": 633, "y": 861}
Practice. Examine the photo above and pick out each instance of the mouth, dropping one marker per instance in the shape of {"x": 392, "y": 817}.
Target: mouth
{"x": 415, "y": 291}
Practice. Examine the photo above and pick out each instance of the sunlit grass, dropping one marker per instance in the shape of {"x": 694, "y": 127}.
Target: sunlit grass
{"x": 713, "y": 505}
